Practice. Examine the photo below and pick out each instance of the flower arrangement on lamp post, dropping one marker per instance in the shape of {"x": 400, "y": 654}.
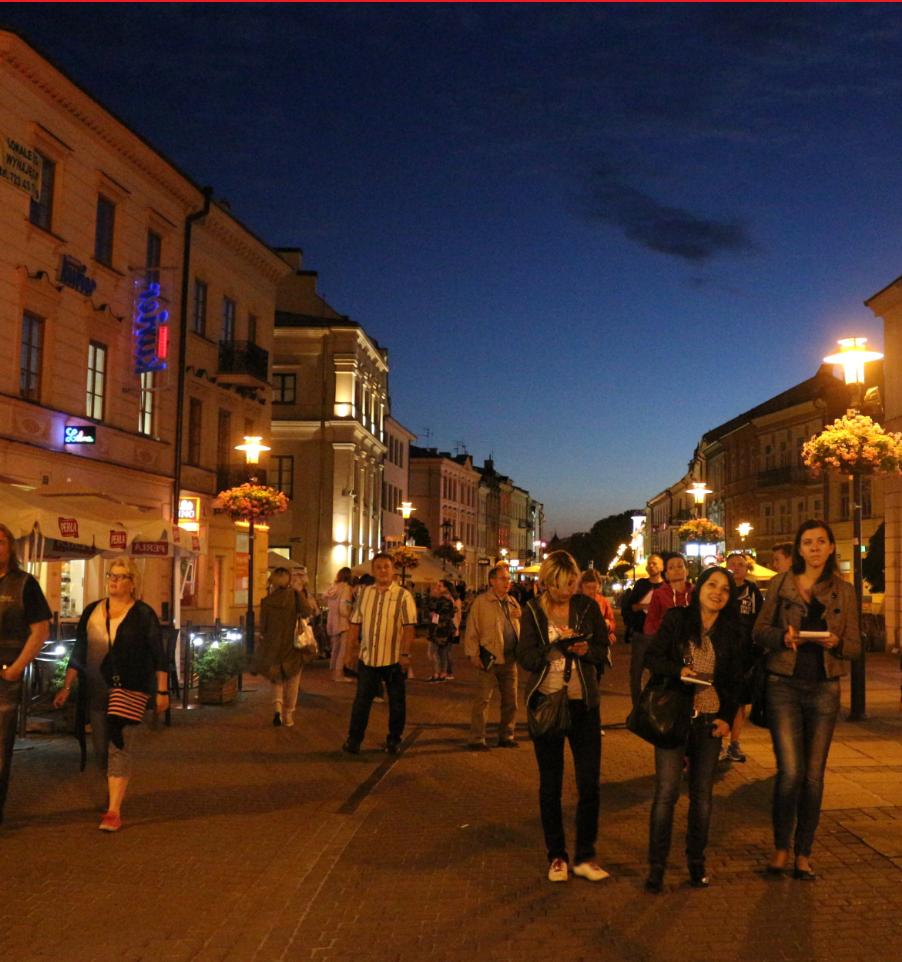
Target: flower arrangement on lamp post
{"x": 405, "y": 558}
{"x": 701, "y": 530}
{"x": 854, "y": 444}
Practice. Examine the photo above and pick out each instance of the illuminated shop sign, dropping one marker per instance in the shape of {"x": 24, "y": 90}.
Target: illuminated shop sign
{"x": 189, "y": 513}
{"x": 118, "y": 540}
{"x": 68, "y": 527}
{"x": 150, "y": 327}
{"x": 74, "y": 274}
{"x": 159, "y": 549}
{"x": 80, "y": 434}
{"x": 20, "y": 166}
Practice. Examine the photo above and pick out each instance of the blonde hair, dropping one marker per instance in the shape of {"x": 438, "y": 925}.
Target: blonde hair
{"x": 131, "y": 569}
{"x": 557, "y": 571}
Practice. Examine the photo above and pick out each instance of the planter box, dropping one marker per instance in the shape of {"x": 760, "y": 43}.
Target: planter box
{"x": 217, "y": 692}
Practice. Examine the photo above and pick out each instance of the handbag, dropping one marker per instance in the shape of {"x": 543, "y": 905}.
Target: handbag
{"x": 305, "y": 640}
{"x": 663, "y": 713}
{"x": 124, "y": 705}
{"x": 549, "y": 715}
{"x": 756, "y": 688}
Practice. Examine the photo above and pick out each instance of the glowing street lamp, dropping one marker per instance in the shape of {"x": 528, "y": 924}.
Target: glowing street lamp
{"x": 407, "y": 509}
{"x": 698, "y": 490}
{"x": 744, "y": 528}
{"x": 252, "y": 448}
{"x": 853, "y": 355}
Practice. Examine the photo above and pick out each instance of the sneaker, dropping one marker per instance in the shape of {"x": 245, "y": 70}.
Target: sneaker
{"x": 735, "y": 753}
{"x": 277, "y": 719}
{"x": 392, "y": 748}
{"x": 111, "y": 822}
{"x": 591, "y": 871}
{"x": 724, "y": 756}
{"x": 289, "y": 719}
{"x": 558, "y": 871}
{"x": 379, "y": 700}
{"x": 350, "y": 748}
{"x": 449, "y": 677}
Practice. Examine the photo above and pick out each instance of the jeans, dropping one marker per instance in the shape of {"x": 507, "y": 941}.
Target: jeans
{"x": 802, "y": 716}
{"x": 10, "y": 695}
{"x": 504, "y": 677}
{"x": 585, "y": 745}
{"x": 638, "y": 647}
{"x": 441, "y": 659}
{"x": 368, "y": 687}
{"x": 702, "y": 750}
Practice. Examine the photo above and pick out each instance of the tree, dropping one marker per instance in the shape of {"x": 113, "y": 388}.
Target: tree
{"x": 873, "y": 567}
{"x": 600, "y": 543}
{"x": 419, "y": 533}
{"x": 447, "y": 552}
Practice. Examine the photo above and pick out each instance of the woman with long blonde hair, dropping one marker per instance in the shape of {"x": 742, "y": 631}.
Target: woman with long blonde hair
{"x": 564, "y": 642}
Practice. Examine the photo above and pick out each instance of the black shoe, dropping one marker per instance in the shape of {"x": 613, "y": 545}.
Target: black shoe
{"x": 655, "y": 881}
{"x": 350, "y": 748}
{"x": 392, "y": 748}
{"x": 804, "y": 874}
{"x": 697, "y": 877}
{"x": 277, "y": 720}
{"x": 478, "y": 747}
{"x": 508, "y": 743}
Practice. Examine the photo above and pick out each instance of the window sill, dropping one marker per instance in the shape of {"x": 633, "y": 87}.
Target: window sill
{"x": 107, "y": 268}
{"x": 43, "y": 232}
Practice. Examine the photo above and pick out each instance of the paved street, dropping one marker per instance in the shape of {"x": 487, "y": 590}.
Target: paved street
{"x": 245, "y": 843}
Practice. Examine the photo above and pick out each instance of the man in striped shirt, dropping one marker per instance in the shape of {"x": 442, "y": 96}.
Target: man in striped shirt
{"x": 383, "y": 620}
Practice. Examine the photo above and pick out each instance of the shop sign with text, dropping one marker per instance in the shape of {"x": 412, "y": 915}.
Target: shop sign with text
{"x": 20, "y": 166}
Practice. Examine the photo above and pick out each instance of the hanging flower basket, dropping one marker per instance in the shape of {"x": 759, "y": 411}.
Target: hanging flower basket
{"x": 405, "y": 557}
{"x": 854, "y": 444}
{"x": 251, "y": 502}
{"x": 701, "y": 529}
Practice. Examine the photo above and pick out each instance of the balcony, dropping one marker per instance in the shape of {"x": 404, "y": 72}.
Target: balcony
{"x": 243, "y": 363}
{"x": 789, "y": 474}
{"x": 233, "y": 475}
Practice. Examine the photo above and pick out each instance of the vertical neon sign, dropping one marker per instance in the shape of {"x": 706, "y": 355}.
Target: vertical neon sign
{"x": 150, "y": 327}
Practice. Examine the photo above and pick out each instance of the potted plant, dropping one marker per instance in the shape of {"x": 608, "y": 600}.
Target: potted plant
{"x": 217, "y": 668}
{"x": 66, "y": 720}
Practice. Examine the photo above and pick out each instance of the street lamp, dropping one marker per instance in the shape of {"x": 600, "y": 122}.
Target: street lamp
{"x": 406, "y": 509}
{"x": 447, "y": 527}
{"x": 744, "y": 528}
{"x": 698, "y": 490}
{"x": 252, "y": 448}
{"x": 853, "y": 355}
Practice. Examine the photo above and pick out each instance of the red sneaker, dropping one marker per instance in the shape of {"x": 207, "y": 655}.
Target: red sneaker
{"x": 111, "y": 822}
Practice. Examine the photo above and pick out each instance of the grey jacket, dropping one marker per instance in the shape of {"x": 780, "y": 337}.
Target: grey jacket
{"x": 785, "y": 606}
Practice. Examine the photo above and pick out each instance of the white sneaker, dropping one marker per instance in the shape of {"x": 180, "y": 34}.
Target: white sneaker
{"x": 591, "y": 871}
{"x": 288, "y": 719}
{"x": 558, "y": 871}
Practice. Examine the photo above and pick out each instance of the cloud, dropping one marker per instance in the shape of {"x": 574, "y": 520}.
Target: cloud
{"x": 660, "y": 227}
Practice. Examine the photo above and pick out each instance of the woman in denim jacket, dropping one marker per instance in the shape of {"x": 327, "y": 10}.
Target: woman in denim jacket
{"x": 809, "y": 627}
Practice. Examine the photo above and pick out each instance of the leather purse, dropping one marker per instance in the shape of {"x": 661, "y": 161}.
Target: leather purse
{"x": 549, "y": 715}
{"x": 663, "y": 713}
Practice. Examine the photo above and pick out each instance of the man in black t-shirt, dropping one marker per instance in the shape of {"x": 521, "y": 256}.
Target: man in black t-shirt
{"x": 24, "y": 627}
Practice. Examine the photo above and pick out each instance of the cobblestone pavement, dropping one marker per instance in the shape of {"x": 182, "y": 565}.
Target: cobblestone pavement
{"x": 247, "y": 843}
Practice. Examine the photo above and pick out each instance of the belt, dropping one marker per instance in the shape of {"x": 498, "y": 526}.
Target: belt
{"x": 704, "y": 716}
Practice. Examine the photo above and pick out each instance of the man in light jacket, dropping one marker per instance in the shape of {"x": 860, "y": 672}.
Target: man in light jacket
{"x": 490, "y": 642}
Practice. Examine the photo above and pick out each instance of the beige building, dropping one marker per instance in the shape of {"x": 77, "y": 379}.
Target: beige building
{"x": 330, "y": 404}
{"x": 94, "y": 222}
{"x": 395, "y": 480}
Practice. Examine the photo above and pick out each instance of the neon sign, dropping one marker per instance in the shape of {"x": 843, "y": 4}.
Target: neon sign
{"x": 80, "y": 434}
{"x": 150, "y": 329}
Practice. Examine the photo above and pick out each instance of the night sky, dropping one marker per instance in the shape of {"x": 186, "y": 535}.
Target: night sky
{"x": 586, "y": 234}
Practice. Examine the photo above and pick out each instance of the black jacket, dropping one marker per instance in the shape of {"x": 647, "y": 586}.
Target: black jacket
{"x": 534, "y": 646}
{"x": 669, "y": 647}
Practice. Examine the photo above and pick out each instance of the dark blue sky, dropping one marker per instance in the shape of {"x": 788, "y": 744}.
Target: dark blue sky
{"x": 586, "y": 233}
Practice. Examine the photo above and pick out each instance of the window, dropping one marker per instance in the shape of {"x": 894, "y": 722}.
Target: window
{"x": 96, "y": 380}
{"x": 844, "y": 501}
{"x": 284, "y": 473}
{"x": 224, "y": 439}
{"x": 30, "y": 357}
{"x": 41, "y": 211}
{"x": 252, "y": 328}
{"x": 103, "y": 230}
{"x": 145, "y": 404}
{"x": 154, "y": 256}
{"x": 228, "y": 320}
{"x": 195, "y": 425}
{"x": 284, "y": 388}
{"x": 199, "y": 317}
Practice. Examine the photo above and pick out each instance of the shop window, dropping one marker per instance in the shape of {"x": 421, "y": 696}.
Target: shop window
{"x": 284, "y": 388}
{"x": 195, "y": 426}
{"x": 96, "y": 382}
{"x": 72, "y": 588}
{"x": 30, "y": 356}
{"x": 199, "y": 315}
{"x": 104, "y": 229}
{"x": 41, "y": 210}
{"x": 284, "y": 473}
{"x": 145, "y": 404}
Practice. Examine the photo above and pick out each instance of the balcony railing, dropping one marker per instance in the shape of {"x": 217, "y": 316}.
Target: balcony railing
{"x": 242, "y": 362}
{"x": 788, "y": 474}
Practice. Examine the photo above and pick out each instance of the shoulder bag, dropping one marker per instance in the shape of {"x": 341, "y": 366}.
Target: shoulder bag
{"x": 663, "y": 713}
{"x": 549, "y": 715}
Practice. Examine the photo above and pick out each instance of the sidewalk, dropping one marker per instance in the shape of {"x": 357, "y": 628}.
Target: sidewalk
{"x": 246, "y": 843}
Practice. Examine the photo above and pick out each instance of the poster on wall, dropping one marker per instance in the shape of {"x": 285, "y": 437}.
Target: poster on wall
{"x": 20, "y": 166}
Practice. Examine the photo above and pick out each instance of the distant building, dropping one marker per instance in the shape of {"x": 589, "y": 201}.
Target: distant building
{"x": 395, "y": 480}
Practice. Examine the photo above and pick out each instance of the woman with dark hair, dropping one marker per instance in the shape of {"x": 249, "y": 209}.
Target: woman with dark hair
{"x": 702, "y": 646}
{"x": 809, "y": 628}
{"x": 563, "y": 642}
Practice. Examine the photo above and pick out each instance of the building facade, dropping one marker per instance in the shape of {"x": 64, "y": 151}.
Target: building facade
{"x": 395, "y": 480}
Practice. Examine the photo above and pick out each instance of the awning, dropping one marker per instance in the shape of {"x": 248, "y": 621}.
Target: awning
{"x": 428, "y": 569}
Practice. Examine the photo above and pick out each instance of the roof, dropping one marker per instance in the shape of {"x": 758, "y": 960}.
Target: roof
{"x": 285, "y": 319}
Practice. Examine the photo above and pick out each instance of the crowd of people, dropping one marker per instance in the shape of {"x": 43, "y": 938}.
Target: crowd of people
{"x": 704, "y": 639}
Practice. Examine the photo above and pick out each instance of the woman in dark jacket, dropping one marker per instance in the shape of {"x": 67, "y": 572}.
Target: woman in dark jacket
{"x": 809, "y": 628}
{"x": 703, "y": 641}
{"x": 545, "y": 648}
{"x": 118, "y": 637}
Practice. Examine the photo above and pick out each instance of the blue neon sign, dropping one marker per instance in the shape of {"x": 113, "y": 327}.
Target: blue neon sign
{"x": 150, "y": 329}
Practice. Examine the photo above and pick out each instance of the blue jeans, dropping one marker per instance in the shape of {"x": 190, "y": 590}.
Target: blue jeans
{"x": 369, "y": 681}
{"x": 585, "y": 745}
{"x": 702, "y": 750}
{"x": 802, "y": 716}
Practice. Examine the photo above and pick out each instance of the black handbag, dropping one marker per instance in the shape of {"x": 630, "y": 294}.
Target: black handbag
{"x": 549, "y": 715}
{"x": 756, "y": 680}
{"x": 663, "y": 713}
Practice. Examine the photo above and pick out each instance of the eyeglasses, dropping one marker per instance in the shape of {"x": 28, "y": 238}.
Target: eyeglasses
{"x": 112, "y": 577}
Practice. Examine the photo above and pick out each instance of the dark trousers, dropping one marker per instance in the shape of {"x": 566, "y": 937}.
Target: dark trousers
{"x": 369, "y": 683}
{"x": 638, "y": 648}
{"x": 585, "y": 745}
{"x": 10, "y": 694}
{"x": 702, "y": 749}
{"x": 802, "y": 716}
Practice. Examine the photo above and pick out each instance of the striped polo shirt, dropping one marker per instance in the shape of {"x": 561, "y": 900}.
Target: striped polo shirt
{"x": 382, "y": 616}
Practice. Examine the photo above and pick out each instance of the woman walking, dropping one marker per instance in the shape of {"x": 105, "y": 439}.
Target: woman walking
{"x": 701, "y": 642}
{"x": 563, "y": 642}
{"x": 118, "y": 643}
{"x": 809, "y": 628}
{"x": 339, "y": 600}
{"x": 444, "y": 627}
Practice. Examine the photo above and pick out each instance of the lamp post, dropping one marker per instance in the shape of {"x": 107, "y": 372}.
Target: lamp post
{"x": 698, "y": 490}
{"x": 406, "y": 509}
{"x": 447, "y": 527}
{"x": 252, "y": 448}
{"x": 853, "y": 355}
